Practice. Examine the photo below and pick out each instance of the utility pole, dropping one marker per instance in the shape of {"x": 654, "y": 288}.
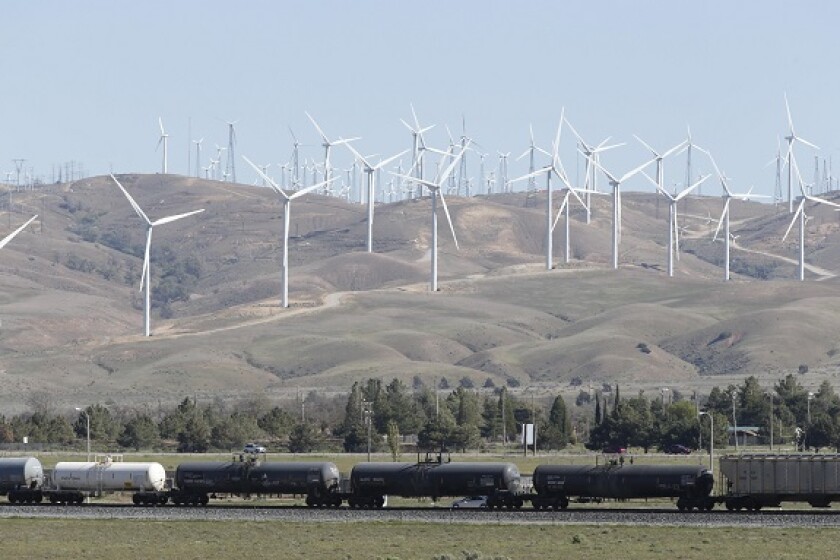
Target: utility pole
{"x": 368, "y": 414}
{"x": 735, "y": 421}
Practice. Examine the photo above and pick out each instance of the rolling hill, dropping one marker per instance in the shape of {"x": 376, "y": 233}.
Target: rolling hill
{"x": 71, "y": 313}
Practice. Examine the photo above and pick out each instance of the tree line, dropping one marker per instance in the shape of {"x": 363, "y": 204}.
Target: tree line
{"x": 378, "y": 415}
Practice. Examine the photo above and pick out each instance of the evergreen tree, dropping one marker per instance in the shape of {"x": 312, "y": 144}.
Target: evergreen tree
{"x": 597, "y": 410}
{"x": 140, "y": 432}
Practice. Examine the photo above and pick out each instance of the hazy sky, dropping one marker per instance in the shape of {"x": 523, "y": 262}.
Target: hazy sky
{"x": 87, "y": 80}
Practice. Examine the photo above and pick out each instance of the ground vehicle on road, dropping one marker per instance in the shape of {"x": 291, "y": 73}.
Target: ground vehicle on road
{"x": 470, "y": 502}
{"x": 253, "y": 448}
{"x": 677, "y": 449}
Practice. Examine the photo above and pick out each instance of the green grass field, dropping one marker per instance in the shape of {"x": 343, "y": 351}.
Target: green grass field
{"x": 184, "y": 540}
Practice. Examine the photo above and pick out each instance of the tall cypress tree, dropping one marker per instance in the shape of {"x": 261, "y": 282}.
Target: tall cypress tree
{"x": 597, "y": 410}
{"x": 617, "y": 403}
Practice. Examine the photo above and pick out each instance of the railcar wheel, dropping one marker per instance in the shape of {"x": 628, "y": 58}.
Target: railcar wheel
{"x": 136, "y": 499}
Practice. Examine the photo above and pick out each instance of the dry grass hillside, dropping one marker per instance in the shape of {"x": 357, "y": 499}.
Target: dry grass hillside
{"x": 71, "y": 312}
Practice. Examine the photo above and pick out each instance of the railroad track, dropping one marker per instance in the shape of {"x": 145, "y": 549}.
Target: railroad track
{"x": 585, "y": 516}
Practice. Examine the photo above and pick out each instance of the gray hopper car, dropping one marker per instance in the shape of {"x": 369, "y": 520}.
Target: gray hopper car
{"x": 371, "y": 482}
{"x": 556, "y": 484}
{"x": 195, "y": 482}
{"x": 756, "y": 481}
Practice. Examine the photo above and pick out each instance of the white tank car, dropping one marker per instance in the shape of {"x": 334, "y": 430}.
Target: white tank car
{"x": 109, "y": 477}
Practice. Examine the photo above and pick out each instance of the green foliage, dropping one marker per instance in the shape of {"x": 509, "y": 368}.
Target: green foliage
{"x": 103, "y": 426}
{"x": 303, "y": 438}
{"x": 277, "y": 423}
{"x": 394, "y": 440}
{"x": 234, "y": 431}
{"x": 140, "y": 432}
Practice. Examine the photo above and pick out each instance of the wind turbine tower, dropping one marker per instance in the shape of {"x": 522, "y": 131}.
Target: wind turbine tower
{"x": 198, "y": 156}
{"x": 230, "y": 168}
{"x": 370, "y": 170}
{"x": 164, "y": 140}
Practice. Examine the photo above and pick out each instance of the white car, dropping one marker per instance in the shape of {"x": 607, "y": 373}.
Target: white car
{"x": 253, "y": 448}
{"x": 470, "y": 502}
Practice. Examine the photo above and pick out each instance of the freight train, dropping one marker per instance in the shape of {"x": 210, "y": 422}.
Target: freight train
{"x": 750, "y": 482}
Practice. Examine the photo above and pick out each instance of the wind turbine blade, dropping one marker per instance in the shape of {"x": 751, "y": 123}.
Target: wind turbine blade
{"x": 318, "y": 128}
{"x": 795, "y": 216}
{"x": 790, "y": 118}
{"x": 656, "y": 185}
{"x": 358, "y": 156}
{"x": 424, "y": 182}
{"x": 266, "y": 177}
{"x": 722, "y": 215}
{"x": 676, "y": 231}
{"x": 609, "y": 175}
{"x": 131, "y": 201}
{"x": 529, "y": 175}
{"x": 560, "y": 212}
{"x": 409, "y": 127}
{"x": 574, "y": 193}
{"x": 345, "y": 141}
{"x": 146, "y": 257}
{"x": 646, "y": 145}
{"x": 168, "y": 219}
{"x": 575, "y": 132}
{"x": 555, "y": 147}
{"x": 525, "y": 153}
{"x": 160, "y": 122}
{"x": 17, "y": 231}
{"x": 821, "y": 201}
{"x": 807, "y": 143}
{"x": 385, "y": 162}
{"x": 311, "y": 188}
{"x": 452, "y": 165}
{"x": 635, "y": 170}
{"x": 676, "y": 148}
{"x": 685, "y": 192}
{"x": 448, "y": 218}
{"x": 602, "y": 148}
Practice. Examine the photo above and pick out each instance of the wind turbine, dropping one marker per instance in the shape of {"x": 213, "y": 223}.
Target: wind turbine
{"x": 530, "y": 152}
{"x": 146, "y": 276}
{"x": 591, "y": 153}
{"x": 800, "y": 214}
{"x": 287, "y": 212}
{"x": 615, "y": 182}
{"x": 791, "y": 138}
{"x": 418, "y": 144}
{"x": 164, "y": 139}
{"x": 435, "y": 190}
{"x": 370, "y": 169}
{"x": 198, "y": 156}
{"x": 728, "y": 195}
{"x": 327, "y": 144}
{"x": 11, "y": 236}
{"x": 556, "y": 168}
{"x": 673, "y": 228}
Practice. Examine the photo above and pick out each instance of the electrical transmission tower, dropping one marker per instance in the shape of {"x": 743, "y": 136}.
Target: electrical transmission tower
{"x": 18, "y": 167}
